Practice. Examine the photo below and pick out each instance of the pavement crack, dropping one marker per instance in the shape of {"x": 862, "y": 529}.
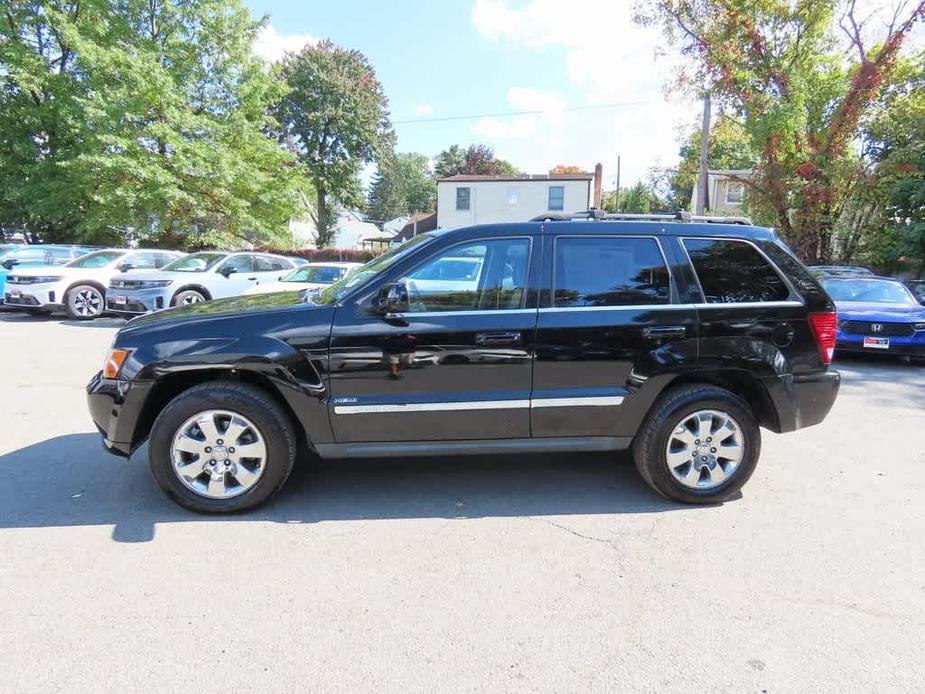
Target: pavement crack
{"x": 571, "y": 531}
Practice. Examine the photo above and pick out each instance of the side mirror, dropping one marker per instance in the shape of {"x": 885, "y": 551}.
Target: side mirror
{"x": 393, "y": 298}
{"x": 125, "y": 267}
{"x": 226, "y": 272}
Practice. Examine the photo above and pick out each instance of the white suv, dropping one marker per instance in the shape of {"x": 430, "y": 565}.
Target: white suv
{"x": 194, "y": 278}
{"x": 79, "y": 287}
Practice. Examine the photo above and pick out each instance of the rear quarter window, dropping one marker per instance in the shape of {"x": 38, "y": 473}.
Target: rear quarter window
{"x": 732, "y": 271}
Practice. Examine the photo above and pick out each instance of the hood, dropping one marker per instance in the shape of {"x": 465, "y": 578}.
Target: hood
{"x": 46, "y": 270}
{"x": 874, "y": 311}
{"x": 221, "y": 308}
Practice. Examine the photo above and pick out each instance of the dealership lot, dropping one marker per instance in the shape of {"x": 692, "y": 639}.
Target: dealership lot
{"x": 551, "y": 573}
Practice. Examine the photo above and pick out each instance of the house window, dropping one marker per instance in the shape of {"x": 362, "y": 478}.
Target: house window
{"x": 556, "y": 197}
{"x": 462, "y": 198}
{"x": 735, "y": 192}
{"x": 511, "y": 196}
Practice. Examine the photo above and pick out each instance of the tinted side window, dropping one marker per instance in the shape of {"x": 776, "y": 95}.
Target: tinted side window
{"x": 733, "y": 271}
{"x": 608, "y": 271}
{"x": 479, "y": 276}
{"x": 142, "y": 261}
{"x": 268, "y": 264}
{"x": 240, "y": 263}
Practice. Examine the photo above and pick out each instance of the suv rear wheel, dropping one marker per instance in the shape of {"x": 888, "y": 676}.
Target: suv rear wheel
{"x": 222, "y": 446}
{"x": 698, "y": 445}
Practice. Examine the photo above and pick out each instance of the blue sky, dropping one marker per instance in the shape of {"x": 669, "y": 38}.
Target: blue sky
{"x": 583, "y": 63}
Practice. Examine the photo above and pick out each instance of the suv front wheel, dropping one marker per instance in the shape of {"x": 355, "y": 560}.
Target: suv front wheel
{"x": 698, "y": 445}
{"x": 221, "y": 447}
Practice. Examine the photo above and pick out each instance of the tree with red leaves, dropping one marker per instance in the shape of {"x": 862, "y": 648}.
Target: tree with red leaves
{"x": 800, "y": 77}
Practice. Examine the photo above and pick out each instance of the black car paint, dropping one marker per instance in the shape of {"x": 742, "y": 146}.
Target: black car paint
{"x": 321, "y": 358}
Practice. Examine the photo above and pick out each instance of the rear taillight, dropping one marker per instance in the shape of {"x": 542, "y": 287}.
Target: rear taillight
{"x": 824, "y": 325}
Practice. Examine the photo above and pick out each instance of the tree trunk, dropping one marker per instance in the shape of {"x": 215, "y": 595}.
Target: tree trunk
{"x": 324, "y": 220}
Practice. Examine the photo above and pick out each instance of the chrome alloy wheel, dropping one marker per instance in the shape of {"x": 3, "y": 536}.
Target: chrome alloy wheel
{"x": 704, "y": 449}
{"x": 191, "y": 298}
{"x": 88, "y": 302}
{"x": 218, "y": 454}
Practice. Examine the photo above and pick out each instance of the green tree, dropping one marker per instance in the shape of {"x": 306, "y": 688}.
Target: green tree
{"x": 335, "y": 117}
{"x": 143, "y": 116}
{"x": 403, "y": 185}
{"x": 887, "y": 219}
{"x": 779, "y": 69}
{"x": 475, "y": 160}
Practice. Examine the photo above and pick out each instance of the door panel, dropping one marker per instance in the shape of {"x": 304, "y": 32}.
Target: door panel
{"x": 457, "y": 365}
{"x": 610, "y": 324}
{"x": 431, "y": 377}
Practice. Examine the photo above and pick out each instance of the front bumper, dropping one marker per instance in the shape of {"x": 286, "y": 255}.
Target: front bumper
{"x": 47, "y": 295}
{"x": 115, "y": 407}
{"x": 138, "y": 301}
{"x": 913, "y": 346}
{"x": 802, "y": 400}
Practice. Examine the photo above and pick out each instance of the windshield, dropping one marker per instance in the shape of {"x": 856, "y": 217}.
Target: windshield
{"x": 877, "y": 291}
{"x": 319, "y": 274}
{"x": 197, "y": 262}
{"x": 362, "y": 275}
{"x": 98, "y": 259}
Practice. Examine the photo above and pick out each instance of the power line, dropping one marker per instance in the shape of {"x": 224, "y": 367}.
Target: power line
{"x": 504, "y": 114}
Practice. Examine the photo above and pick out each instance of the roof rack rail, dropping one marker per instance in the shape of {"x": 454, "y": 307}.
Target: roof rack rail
{"x": 679, "y": 216}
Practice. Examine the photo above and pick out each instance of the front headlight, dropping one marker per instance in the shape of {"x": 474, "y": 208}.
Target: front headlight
{"x": 919, "y": 326}
{"x": 31, "y": 279}
{"x": 151, "y": 284}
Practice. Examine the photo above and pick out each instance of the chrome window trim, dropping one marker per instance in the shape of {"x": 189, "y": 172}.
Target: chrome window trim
{"x": 485, "y": 312}
{"x": 464, "y": 405}
{"x": 626, "y": 307}
{"x": 781, "y": 275}
{"x": 751, "y": 304}
{"x": 658, "y": 244}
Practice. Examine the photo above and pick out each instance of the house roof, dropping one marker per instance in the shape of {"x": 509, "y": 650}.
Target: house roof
{"x": 426, "y": 221}
{"x": 522, "y": 177}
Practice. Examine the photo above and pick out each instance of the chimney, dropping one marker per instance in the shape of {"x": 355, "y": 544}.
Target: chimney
{"x": 598, "y": 181}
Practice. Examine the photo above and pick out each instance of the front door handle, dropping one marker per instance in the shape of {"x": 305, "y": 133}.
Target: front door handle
{"x": 497, "y": 338}
{"x": 665, "y": 331}
{"x": 251, "y": 278}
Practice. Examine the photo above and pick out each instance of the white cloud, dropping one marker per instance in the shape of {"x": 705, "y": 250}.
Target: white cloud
{"x": 608, "y": 59}
{"x": 424, "y": 110}
{"x": 272, "y": 46}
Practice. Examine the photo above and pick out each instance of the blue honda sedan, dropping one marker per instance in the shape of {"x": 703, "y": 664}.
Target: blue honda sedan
{"x": 877, "y": 314}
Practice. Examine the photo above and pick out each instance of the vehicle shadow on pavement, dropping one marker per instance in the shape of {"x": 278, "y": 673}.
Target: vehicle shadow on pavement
{"x": 70, "y": 481}
{"x": 8, "y": 316}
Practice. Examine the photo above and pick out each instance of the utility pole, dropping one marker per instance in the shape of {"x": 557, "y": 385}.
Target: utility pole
{"x": 616, "y": 200}
{"x": 702, "y": 194}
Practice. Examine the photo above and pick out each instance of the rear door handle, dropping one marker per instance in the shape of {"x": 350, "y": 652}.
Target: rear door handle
{"x": 496, "y": 338}
{"x": 664, "y": 331}
{"x": 251, "y": 278}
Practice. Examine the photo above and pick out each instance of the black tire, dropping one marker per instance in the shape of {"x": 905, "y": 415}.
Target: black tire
{"x": 188, "y": 296}
{"x": 84, "y": 302}
{"x": 253, "y": 403}
{"x": 650, "y": 444}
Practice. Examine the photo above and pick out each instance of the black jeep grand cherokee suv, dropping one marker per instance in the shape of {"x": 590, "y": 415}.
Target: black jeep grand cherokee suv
{"x": 675, "y": 338}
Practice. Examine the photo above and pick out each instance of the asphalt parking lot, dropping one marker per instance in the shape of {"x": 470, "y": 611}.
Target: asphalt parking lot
{"x": 542, "y": 573}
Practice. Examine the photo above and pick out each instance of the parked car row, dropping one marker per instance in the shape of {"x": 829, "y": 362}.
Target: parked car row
{"x": 876, "y": 314}
{"x": 137, "y": 281}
